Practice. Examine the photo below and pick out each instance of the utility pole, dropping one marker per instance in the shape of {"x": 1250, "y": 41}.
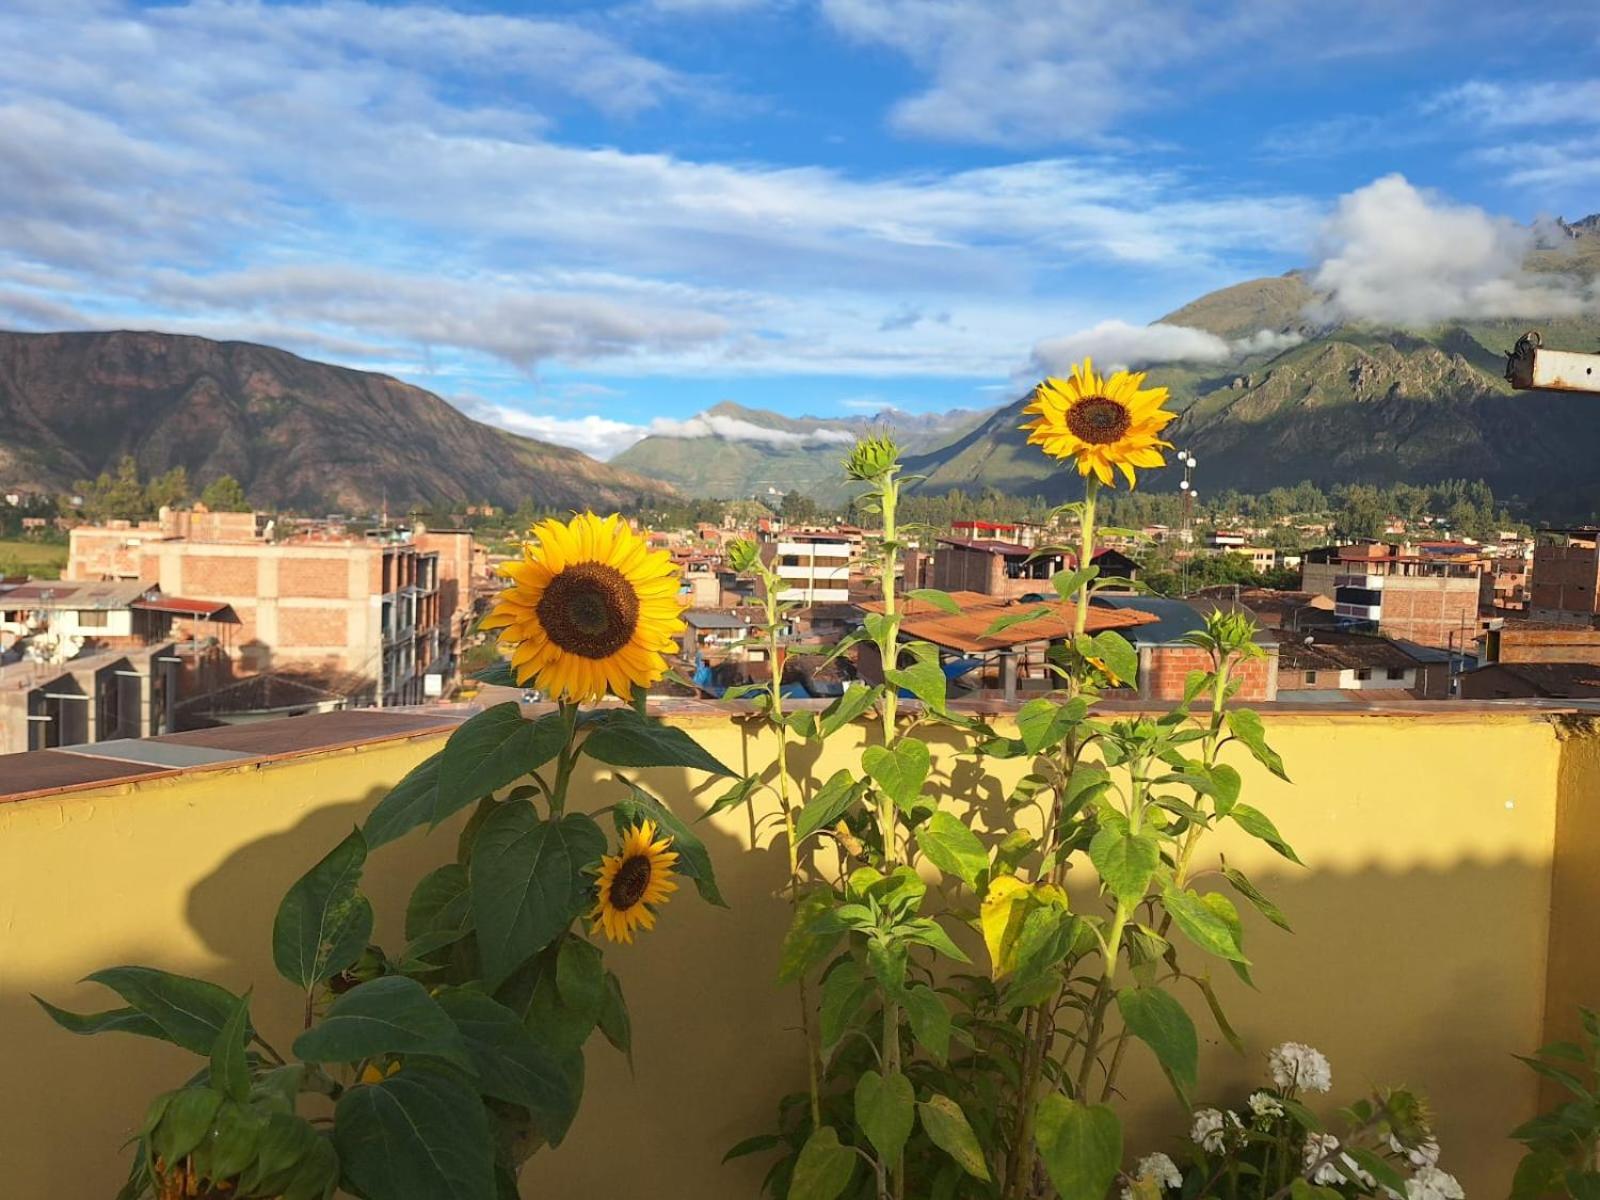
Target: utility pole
{"x": 1187, "y": 461}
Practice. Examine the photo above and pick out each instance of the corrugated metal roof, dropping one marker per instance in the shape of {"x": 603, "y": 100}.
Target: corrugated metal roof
{"x": 965, "y": 631}
{"x": 57, "y": 594}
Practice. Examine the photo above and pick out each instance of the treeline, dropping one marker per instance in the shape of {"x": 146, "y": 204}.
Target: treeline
{"x": 126, "y": 495}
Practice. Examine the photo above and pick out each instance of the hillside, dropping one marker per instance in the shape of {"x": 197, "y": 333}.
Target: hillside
{"x": 297, "y": 434}
{"x": 1349, "y": 404}
{"x": 758, "y": 451}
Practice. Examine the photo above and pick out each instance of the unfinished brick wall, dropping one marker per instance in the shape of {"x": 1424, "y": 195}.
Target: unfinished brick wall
{"x": 314, "y": 578}
{"x": 308, "y": 627}
{"x": 1164, "y": 670}
{"x": 1431, "y": 611}
{"x": 214, "y": 576}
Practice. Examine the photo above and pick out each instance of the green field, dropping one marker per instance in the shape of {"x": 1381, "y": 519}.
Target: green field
{"x": 43, "y": 559}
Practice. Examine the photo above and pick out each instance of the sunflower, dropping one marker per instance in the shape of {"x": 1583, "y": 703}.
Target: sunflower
{"x": 1103, "y": 423}
{"x": 590, "y": 608}
{"x": 633, "y": 883}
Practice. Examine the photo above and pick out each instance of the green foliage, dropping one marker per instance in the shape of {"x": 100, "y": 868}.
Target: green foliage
{"x": 1563, "y": 1143}
{"x": 452, "y": 1063}
{"x": 223, "y": 494}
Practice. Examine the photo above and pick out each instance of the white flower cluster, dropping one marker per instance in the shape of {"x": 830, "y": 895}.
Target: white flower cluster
{"x": 1430, "y": 1183}
{"x": 1158, "y": 1167}
{"x": 1213, "y": 1128}
{"x": 1335, "y": 1171}
{"x": 1265, "y": 1106}
{"x": 1296, "y": 1065}
{"x": 1424, "y": 1154}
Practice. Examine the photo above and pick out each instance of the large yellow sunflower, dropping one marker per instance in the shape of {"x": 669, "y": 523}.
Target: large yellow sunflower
{"x": 634, "y": 883}
{"x": 590, "y": 609}
{"x": 1103, "y": 423}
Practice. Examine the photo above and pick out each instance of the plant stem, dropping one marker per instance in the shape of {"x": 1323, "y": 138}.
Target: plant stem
{"x": 889, "y": 656}
{"x": 775, "y": 659}
{"x": 1091, "y": 490}
{"x": 568, "y": 759}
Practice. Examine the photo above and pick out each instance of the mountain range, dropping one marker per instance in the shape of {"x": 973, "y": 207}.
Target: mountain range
{"x": 733, "y": 451}
{"x": 297, "y": 434}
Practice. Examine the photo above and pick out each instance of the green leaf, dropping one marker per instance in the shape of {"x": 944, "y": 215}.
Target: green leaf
{"x": 116, "y": 1020}
{"x": 924, "y": 680}
{"x": 623, "y": 738}
{"x": 285, "y": 1141}
{"x": 230, "y": 1070}
{"x": 1069, "y": 583}
{"x": 512, "y": 1065}
{"x": 1194, "y": 683}
{"x": 1378, "y": 1167}
{"x": 1257, "y": 824}
{"x": 235, "y": 1135}
{"x": 1250, "y": 892}
{"x": 843, "y": 993}
{"x": 190, "y": 1012}
{"x": 412, "y": 802}
{"x": 886, "y": 1110}
{"x": 497, "y": 674}
{"x": 494, "y": 748}
{"x": 1119, "y": 656}
{"x": 1245, "y": 724}
{"x": 324, "y": 922}
{"x": 441, "y": 902}
{"x": 580, "y": 974}
{"x": 1538, "y": 1174}
{"x": 753, "y": 1145}
{"x": 1126, "y": 860}
{"x": 185, "y": 1122}
{"x": 831, "y": 801}
{"x": 615, "y": 1023}
{"x": 1081, "y": 1146}
{"x": 1202, "y": 924}
{"x": 943, "y": 601}
{"x": 418, "y": 1135}
{"x": 1225, "y": 784}
{"x": 694, "y": 860}
{"x": 528, "y": 882}
{"x": 947, "y": 1128}
{"x": 392, "y": 1014}
{"x": 1004, "y": 622}
{"x": 926, "y": 931}
{"x": 824, "y": 1168}
{"x": 1203, "y": 982}
{"x": 803, "y": 946}
{"x": 1043, "y": 723}
{"x": 930, "y": 1020}
{"x": 900, "y": 770}
{"x": 1160, "y": 1022}
{"x": 852, "y": 702}
{"x": 953, "y": 848}
{"x": 738, "y": 794}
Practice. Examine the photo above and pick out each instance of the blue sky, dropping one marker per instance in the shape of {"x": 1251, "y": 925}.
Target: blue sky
{"x": 578, "y": 220}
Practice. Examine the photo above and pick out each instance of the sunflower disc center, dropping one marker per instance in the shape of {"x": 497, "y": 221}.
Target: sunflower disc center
{"x": 589, "y": 609}
{"x": 629, "y": 883}
{"x": 1098, "y": 420}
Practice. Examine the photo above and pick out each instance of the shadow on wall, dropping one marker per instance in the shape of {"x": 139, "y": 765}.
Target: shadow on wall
{"x": 1427, "y": 977}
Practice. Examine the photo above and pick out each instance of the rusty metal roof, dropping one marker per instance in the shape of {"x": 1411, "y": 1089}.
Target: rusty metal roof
{"x": 965, "y": 631}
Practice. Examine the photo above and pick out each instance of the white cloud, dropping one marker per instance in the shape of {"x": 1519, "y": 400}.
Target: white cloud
{"x": 734, "y": 429}
{"x": 1117, "y": 344}
{"x": 1397, "y": 255}
{"x": 1571, "y": 102}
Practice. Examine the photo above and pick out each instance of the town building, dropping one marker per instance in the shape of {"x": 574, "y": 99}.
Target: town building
{"x": 815, "y": 567}
{"x": 1330, "y": 660}
{"x": 1565, "y": 582}
{"x": 1522, "y": 680}
{"x": 1525, "y": 642}
{"x": 1386, "y": 588}
{"x": 391, "y": 608}
{"x": 1007, "y": 570}
{"x": 1167, "y": 656}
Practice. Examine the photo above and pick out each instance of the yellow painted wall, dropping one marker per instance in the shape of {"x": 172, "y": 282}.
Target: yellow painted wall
{"x": 1419, "y": 955}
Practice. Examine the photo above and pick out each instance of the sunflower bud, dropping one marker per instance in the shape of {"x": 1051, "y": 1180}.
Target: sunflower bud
{"x": 872, "y": 457}
{"x": 743, "y": 554}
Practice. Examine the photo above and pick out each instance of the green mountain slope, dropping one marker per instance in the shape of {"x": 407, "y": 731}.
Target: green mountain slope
{"x": 298, "y": 434}
{"x": 1352, "y": 404}
{"x": 761, "y": 453}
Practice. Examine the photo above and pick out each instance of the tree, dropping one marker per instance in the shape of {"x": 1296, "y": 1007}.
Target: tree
{"x": 224, "y": 494}
{"x": 798, "y": 508}
{"x": 168, "y": 490}
{"x": 119, "y": 497}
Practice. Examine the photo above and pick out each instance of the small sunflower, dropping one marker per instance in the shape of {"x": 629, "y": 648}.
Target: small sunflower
{"x": 1103, "y": 423}
{"x": 590, "y": 608}
{"x": 634, "y": 883}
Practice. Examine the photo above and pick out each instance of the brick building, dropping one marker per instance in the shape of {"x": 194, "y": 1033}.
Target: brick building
{"x": 389, "y": 608}
{"x": 815, "y": 567}
{"x": 992, "y": 568}
{"x": 1379, "y": 587}
{"x": 1565, "y": 582}
{"x": 1165, "y": 658}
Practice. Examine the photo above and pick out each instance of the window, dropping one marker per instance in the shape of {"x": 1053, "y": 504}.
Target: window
{"x": 92, "y": 619}
{"x": 1396, "y": 673}
{"x": 1311, "y": 676}
{"x": 789, "y": 560}
{"x": 1363, "y": 672}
